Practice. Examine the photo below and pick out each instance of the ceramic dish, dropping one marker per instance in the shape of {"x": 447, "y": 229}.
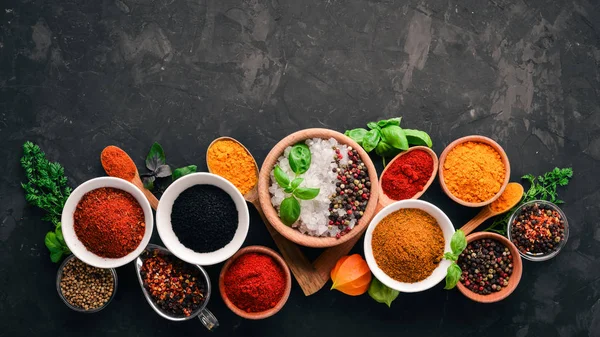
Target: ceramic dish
{"x": 286, "y": 294}
{"x": 72, "y": 307}
{"x": 165, "y": 229}
{"x": 515, "y": 277}
{"x": 438, "y": 274}
{"x": 478, "y": 139}
{"x": 264, "y": 181}
{"x": 539, "y": 257}
{"x": 73, "y": 242}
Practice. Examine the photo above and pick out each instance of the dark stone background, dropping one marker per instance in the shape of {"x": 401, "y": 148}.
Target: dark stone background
{"x": 77, "y": 75}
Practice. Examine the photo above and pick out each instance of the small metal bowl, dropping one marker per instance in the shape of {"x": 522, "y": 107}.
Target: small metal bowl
{"x": 539, "y": 257}
{"x": 72, "y": 307}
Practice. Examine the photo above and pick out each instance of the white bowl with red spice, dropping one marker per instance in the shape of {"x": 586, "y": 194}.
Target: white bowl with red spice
{"x": 75, "y": 243}
{"x": 438, "y": 274}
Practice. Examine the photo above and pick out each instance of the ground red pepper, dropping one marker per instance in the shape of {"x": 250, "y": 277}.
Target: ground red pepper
{"x": 109, "y": 222}
{"x": 408, "y": 175}
{"x": 117, "y": 163}
{"x": 254, "y": 282}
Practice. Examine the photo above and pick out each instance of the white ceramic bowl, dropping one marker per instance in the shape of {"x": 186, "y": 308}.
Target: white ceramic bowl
{"x": 165, "y": 229}
{"x": 77, "y": 247}
{"x": 438, "y": 274}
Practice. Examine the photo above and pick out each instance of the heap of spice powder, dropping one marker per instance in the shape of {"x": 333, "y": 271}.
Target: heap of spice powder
{"x": 510, "y": 197}
{"x": 407, "y": 175}
{"x": 117, "y": 163}
{"x": 474, "y": 171}
{"x": 255, "y": 282}
{"x": 408, "y": 245}
{"x": 109, "y": 222}
{"x": 84, "y": 286}
{"x": 232, "y": 161}
{"x": 175, "y": 286}
{"x": 539, "y": 229}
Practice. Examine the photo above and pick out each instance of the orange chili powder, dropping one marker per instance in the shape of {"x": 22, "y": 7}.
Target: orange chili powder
{"x": 117, "y": 163}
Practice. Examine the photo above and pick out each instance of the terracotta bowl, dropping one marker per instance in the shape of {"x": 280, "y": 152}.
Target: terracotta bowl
{"x": 264, "y": 181}
{"x": 384, "y": 199}
{"x": 479, "y": 139}
{"x": 288, "y": 286}
{"x": 514, "y": 278}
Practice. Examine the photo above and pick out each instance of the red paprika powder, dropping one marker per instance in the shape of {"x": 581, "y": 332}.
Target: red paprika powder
{"x": 109, "y": 222}
{"x": 254, "y": 282}
{"x": 407, "y": 175}
{"x": 117, "y": 163}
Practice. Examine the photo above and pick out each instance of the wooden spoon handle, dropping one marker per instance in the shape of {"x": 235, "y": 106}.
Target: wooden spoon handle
{"x": 299, "y": 265}
{"x": 151, "y": 198}
{"x": 477, "y": 220}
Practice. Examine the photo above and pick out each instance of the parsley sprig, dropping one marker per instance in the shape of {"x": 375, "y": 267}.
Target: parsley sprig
{"x": 542, "y": 187}
{"x": 46, "y": 188}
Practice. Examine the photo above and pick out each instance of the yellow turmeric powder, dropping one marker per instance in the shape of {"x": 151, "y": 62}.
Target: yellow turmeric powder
{"x": 474, "y": 171}
{"x": 231, "y": 161}
{"x": 510, "y": 197}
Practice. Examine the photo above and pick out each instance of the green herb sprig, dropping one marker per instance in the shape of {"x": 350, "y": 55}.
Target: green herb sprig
{"x": 382, "y": 293}
{"x": 300, "y": 160}
{"x": 156, "y": 163}
{"x": 458, "y": 243}
{"x": 387, "y": 138}
{"x": 543, "y": 187}
{"x": 47, "y": 189}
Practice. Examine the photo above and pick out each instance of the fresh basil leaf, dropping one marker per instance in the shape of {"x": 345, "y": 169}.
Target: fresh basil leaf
{"x": 56, "y": 256}
{"x": 300, "y": 158}
{"x": 306, "y": 193}
{"x": 52, "y": 242}
{"x": 458, "y": 242}
{"x": 163, "y": 171}
{"x": 450, "y": 256}
{"x": 452, "y": 276}
{"x": 281, "y": 178}
{"x": 417, "y": 137}
{"x": 394, "y": 121}
{"x": 382, "y": 293}
{"x": 357, "y": 135}
{"x": 371, "y": 140}
{"x": 384, "y": 149}
{"x": 155, "y": 157}
{"x": 295, "y": 183}
{"x": 288, "y": 189}
{"x": 372, "y": 125}
{"x": 394, "y": 135}
{"x": 59, "y": 236}
{"x": 148, "y": 182}
{"x": 289, "y": 210}
{"x": 182, "y": 171}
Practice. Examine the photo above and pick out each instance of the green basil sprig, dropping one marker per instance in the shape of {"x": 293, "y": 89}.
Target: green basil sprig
{"x": 300, "y": 158}
{"x": 458, "y": 243}
{"x": 382, "y": 293}
{"x": 289, "y": 210}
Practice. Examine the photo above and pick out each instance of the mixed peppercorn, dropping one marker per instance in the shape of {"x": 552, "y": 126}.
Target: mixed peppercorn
{"x": 538, "y": 229}
{"x": 175, "y": 286}
{"x": 486, "y": 266}
{"x": 84, "y": 286}
{"x": 352, "y": 191}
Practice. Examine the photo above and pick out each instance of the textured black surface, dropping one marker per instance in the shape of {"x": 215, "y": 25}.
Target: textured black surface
{"x": 204, "y": 218}
{"x": 77, "y": 75}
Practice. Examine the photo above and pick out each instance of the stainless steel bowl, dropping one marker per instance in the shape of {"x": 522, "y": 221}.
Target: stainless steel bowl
{"x": 72, "y": 307}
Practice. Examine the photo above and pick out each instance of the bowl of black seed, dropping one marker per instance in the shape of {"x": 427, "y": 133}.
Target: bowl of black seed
{"x": 85, "y": 288}
{"x": 539, "y": 229}
{"x": 491, "y": 268}
{"x": 202, "y": 219}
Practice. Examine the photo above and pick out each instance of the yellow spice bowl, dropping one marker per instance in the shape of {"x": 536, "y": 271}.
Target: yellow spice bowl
{"x": 477, "y": 139}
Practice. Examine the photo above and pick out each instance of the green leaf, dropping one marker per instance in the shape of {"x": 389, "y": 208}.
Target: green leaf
{"x": 452, "y": 276}
{"x": 164, "y": 171}
{"x": 289, "y": 210}
{"x": 458, "y": 242}
{"x": 295, "y": 183}
{"x": 371, "y": 140}
{"x": 387, "y": 122}
{"x": 450, "y": 256}
{"x": 59, "y": 236}
{"x": 394, "y": 135}
{"x": 357, "y": 135}
{"x": 281, "y": 178}
{"x": 372, "y": 125}
{"x": 306, "y": 193}
{"x": 384, "y": 149}
{"x": 182, "y": 171}
{"x": 382, "y": 293}
{"x": 300, "y": 158}
{"x": 149, "y": 182}
{"x": 52, "y": 242}
{"x": 155, "y": 158}
{"x": 418, "y": 138}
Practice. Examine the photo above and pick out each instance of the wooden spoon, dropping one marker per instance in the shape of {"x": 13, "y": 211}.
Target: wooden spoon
{"x": 137, "y": 181}
{"x": 327, "y": 260}
{"x": 487, "y": 213}
{"x": 299, "y": 265}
